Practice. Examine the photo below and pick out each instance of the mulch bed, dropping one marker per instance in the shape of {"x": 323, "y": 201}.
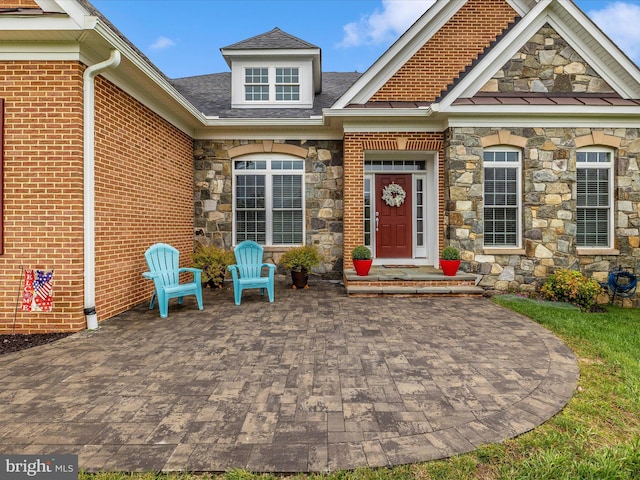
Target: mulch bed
{"x": 17, "y": 342}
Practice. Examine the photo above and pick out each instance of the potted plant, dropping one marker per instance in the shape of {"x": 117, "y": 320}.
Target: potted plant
{"x": 450, "y": 261}
{"x": 362, "y": 260}
{"x": 213, "y": 261}
{"x": 300, "y": 260}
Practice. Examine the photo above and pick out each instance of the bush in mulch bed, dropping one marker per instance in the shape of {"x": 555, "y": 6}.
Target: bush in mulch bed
{"x": 17, "y": 342}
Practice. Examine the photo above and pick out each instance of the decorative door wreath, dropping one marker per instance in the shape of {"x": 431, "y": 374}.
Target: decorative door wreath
{"x": 393, "y": 195}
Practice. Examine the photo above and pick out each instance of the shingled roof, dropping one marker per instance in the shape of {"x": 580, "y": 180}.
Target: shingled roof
{"x": 211, "y": 94}
{"x": 274, "y": 39}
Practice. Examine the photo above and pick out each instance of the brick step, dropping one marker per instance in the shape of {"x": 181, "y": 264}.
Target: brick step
{"x": 410, "y": 282}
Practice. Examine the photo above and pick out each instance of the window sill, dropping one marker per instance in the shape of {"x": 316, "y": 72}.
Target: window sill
{"x": 504, "y": 251}
{"x": 597, "y": 251}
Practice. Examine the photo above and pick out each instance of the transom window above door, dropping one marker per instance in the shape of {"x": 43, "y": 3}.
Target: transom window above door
{"x": 268, "y": 199}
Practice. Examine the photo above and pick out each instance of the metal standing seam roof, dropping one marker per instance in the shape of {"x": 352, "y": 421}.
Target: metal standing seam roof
{"x": 590, "y": 100}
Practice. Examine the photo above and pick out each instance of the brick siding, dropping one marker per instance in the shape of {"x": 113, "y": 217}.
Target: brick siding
{"x": 43, "y": 190}
{"x": 355, "y": 145}
{"x": 143, "y": 193}
{"x": 18, "y": 4}
{"x": 441, "y": 60}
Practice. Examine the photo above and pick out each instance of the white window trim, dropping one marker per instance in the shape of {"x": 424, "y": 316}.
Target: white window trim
{"x": 268, "y": 173}
{"x": 585, "y": 250}
{"x": 305, "y": 82}
{"x": 518, "y": 167}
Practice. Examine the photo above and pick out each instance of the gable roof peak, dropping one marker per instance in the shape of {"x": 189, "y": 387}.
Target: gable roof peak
{"x": 271, "y": 40}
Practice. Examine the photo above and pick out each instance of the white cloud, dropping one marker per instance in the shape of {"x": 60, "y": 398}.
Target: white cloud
{"x": 384, "y": 25}
{"x": 620, "y": 20}
{"x": 162, "y": 43}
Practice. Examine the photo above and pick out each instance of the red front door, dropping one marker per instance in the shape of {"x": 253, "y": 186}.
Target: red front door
{"x": 393, "y": 223}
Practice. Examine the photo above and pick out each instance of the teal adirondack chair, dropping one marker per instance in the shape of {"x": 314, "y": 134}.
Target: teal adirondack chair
{"x": 247, "y": 272}
{"x": 163, "y": 262}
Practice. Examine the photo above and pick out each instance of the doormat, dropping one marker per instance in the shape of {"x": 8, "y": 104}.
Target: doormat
{"x": 400, "y": 266}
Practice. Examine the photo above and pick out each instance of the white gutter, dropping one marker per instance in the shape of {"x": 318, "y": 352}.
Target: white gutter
{"x": 89, "y": 187}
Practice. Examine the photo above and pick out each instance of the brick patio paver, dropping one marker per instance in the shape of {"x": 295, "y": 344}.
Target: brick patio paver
{"x": 316, "y": 382}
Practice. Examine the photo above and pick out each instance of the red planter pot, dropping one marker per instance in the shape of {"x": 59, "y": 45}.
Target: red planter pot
{"x": 362, "y": 267}
{"x": 449, "y": 267}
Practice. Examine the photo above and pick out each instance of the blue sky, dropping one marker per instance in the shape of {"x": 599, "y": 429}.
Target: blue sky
{"x": 183, "y": 37}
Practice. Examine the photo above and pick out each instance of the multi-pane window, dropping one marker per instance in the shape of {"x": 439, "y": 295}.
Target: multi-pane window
{"x": 367, "y": 211}
{"x": 280, "y": 84}
{"x": 287, "y": 84}
{"x": 502, "y": 186}
{"x": 269, "y": 200}
{"x": 420, "y": 211}
{"x": 256, "y": 84}
{"x": 594, "y": 172}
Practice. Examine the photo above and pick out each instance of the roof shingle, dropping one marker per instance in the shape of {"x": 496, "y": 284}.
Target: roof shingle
{"x": 273, "y": 39}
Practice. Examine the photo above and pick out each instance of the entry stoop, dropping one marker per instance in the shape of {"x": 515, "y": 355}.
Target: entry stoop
{"x": 409, "y": 281}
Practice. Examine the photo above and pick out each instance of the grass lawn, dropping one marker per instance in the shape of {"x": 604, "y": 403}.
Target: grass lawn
{"x": 597, "y": 436}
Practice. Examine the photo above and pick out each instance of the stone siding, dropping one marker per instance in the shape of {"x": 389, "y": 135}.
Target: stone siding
{"x": 547, "y": 64}
{"x": 548, "y": 203}
{"x": 324, "y": 180}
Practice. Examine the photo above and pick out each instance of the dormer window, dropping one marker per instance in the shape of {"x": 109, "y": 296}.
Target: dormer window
{"x": 287, "y": 85}
{"x": 273, "y": 70}
{"x": 256, "y": 84}
{"x": 279, "y": 84}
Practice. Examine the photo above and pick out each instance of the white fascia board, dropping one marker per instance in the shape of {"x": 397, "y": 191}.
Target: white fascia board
{"x": 147, "y": 69}
{"x": 50, "y": 6}
{"x": 279, "y": 52}
{"x": 268, "y": 132}
{"x": 72, "y": 8}
{"x": 378, "y": 113}
{"x": 498, "y": 56}
{"x": 265, "y": 54}
{"x": 628, "y": 87}
{"x": 400, "y": 52}
{"x": 521, "y": 7}
{"x": 21, "y": 26}
{"x": 431, "y": 126}
{"x": 181, "y": 120}
{"x": 35, "y": 51}
{"x": 264, "y": 122}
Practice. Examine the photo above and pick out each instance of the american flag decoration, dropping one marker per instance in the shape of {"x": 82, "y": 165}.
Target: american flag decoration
{"x": 37, "y": 294}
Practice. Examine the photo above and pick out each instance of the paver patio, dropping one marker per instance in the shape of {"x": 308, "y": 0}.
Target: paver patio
{"x": 316, "y": 381}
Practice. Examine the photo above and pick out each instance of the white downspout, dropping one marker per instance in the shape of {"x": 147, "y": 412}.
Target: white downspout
{"x": 89, "y": 187}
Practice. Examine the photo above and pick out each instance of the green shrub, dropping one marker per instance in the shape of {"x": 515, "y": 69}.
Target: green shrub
{"x": 573, "y": 287}
{"x": 213, "y": 262}
{"x": 450, "y": 253}
{"x": 300, "y": 258}
{"x": 361, "y": 253}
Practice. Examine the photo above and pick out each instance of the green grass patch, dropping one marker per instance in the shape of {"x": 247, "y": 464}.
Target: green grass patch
{"x": 597, "y": 436}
